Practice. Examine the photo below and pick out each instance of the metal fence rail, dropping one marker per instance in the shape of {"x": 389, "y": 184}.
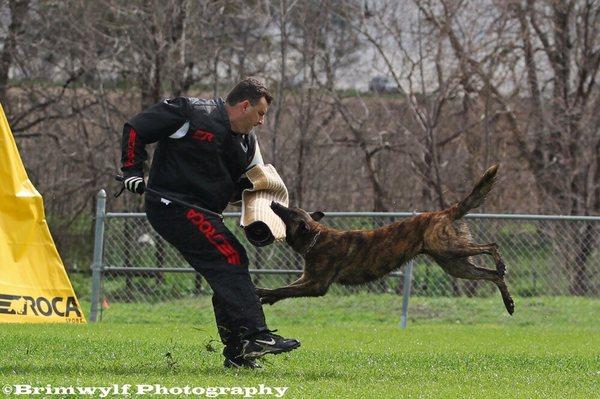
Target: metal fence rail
{"x": 545, "y": 255}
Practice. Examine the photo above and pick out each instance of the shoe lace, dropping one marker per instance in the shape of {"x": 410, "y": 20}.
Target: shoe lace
{"x": 270, "y": 332}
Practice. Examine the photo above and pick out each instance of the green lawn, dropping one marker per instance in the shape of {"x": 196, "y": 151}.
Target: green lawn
{"x": 352, "y": 347}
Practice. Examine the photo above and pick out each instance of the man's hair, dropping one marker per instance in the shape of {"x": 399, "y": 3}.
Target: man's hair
{"x": 250, "y": 89}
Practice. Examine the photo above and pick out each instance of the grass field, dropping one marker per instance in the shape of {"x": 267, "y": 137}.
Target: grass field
{"x": 352, "y": 347}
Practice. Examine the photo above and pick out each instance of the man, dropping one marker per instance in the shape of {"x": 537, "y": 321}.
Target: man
{"x": 204, "y": 146}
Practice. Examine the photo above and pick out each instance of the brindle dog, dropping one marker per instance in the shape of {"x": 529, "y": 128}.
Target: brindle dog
{"x": 356, "y": 257}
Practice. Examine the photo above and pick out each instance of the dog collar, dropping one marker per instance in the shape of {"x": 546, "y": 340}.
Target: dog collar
{"x": 312, "y": 244}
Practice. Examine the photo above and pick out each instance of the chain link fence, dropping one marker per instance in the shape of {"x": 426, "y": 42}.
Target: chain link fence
{"x": 545, "y": 255}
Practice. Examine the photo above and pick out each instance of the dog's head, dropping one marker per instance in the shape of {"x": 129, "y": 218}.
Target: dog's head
{"x": 300, "y": 226}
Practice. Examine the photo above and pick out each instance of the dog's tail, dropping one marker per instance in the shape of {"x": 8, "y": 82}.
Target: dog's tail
{"x": 477, "y": 196}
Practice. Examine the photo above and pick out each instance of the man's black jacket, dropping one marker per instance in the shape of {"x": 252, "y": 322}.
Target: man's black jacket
{"x": 198, "y": 158}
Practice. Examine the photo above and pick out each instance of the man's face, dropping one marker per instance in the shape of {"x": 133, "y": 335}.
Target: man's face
{"x": 251, "y": 115}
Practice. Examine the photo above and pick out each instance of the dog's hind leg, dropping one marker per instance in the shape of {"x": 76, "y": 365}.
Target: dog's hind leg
{"x": 464, "y": 268}
{"x": 470, "y": 249}
{"x": 508, "y": 301}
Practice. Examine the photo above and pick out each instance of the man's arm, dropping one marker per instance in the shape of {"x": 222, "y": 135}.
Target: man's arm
{"x": 244, "y": 183}
{"x": 156, "y": 123}
{"x": 257, "y": 159}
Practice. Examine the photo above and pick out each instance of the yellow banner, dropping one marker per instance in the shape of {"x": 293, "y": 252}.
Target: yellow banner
{"x": 34, "y": 287}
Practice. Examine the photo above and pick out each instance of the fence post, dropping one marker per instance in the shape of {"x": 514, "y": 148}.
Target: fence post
{"x": 406, "y": 292}
{"x": 406, "y": 289}
{"x": 98, "y": 251}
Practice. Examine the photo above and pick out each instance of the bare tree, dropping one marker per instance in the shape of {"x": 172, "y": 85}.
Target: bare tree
{"x": 17, "y": 13}
{"x": 476, "y": 82}
{"x": 281, "y": 15}
{"x": 560, "y": 145}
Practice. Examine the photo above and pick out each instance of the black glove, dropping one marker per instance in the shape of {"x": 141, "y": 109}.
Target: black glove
{"x": 135, "y": 184}
{"x": 243, "y": 184}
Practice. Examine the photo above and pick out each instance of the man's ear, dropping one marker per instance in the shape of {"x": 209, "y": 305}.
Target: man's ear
{"x": 245, "y": 105}
{"x": 316, "y": 216}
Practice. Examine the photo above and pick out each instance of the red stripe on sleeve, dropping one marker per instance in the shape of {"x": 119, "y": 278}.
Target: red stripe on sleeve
{"x": 130, "y": 160}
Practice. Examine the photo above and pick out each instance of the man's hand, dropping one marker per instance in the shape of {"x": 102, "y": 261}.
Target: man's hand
{"x": 243, "y": 184}
{"x": 135, "y": 184}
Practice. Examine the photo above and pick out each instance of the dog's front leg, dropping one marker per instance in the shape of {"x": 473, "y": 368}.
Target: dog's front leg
{"x": 262, "y": 292}
{"x": 308, "y": 288}
{"x": 270, "y": 296}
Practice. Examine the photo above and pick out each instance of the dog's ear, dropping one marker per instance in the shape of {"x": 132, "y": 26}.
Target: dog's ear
{"x": 316, "y": 216}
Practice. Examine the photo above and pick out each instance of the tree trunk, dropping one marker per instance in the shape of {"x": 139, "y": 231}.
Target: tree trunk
{"x": 18, "y": 11}
{"x": 378, "y": 190}
{"x": 282, "y": 80}
{"x": 585, "y": 245}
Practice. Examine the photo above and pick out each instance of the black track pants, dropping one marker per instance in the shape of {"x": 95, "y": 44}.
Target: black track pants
{"x": 214, "y": 252}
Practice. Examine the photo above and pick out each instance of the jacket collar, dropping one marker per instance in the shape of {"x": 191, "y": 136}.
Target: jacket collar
{"x": 220, "y": 113}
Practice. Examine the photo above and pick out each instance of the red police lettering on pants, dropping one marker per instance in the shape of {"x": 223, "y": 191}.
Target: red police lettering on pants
{"x": 217, "y": 240}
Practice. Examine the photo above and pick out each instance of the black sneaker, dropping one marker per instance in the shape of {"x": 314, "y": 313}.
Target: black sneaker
{"x": 266, "y": 342}
{"x": 241, "y": 363}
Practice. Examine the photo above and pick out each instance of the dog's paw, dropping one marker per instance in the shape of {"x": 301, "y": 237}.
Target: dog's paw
{"x": 510, "y": 305}
{"x": 268, "y": 300}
